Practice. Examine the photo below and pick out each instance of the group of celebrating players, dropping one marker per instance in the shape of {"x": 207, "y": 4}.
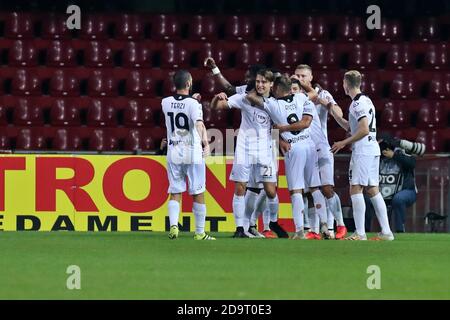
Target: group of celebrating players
{"x": 278, "y": 112}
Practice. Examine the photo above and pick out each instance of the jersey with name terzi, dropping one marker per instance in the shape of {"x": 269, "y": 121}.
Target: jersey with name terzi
{"x": 255, "y": 131}
{"x": 288, "y": 110}
{"x": 361, "y": 107}
{"x": 181, "y": 112}
{"x": 322, "y": 110}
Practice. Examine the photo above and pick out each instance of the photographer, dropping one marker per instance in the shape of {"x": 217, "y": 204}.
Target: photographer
{"x": 397, "y": 180}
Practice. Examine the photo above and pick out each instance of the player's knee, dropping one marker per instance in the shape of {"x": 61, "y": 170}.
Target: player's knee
{"x": 328, "y": 191}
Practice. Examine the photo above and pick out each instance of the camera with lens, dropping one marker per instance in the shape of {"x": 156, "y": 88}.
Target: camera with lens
{"x": 389, "y": 142}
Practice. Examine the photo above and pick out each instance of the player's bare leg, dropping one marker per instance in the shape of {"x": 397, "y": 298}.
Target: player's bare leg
{"x": 381, "y": 212}
{"x": 359, "y": 211}
{"x": 334, "y": 212}
{"x": 239, "y": 209}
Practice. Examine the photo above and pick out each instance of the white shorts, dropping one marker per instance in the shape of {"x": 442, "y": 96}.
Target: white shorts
{"x": 364, "y": 170}
{"x": 302, "y": 169}
{"x": 252, "y": 183}
{"x": 326, "y": 165}
{"x": 259, "y": 172}
{"x": 195, "y": 173}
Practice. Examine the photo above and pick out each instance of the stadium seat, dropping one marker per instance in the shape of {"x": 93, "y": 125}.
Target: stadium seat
{"x": 208, "y": 88}
{"x": 138, "y": 114}
{"x": 30, "y": 139}
{"x": 138, "y": 140}
{"x": 400, "y": 57}
{"x": 168, "y": 85}
{"x": 404, "y": 87}
{"x": 102, "y": 140}
{"x": 23, "y": 54}
{"x": 371, "y": 85}
{"x": 314, "y": 29}
{"x": 5, "y": 143}
{"x": 67, "y": 140}
{"x": 101, "y": 113}
{"x": 436, "y": 57}
{"x": 275, "y": 28}
{"x": 94, "y": 27}
{"x": 98, "y": 54}
{"x": 439, "y": 87}
{"x": 165, "y": 27}
{"x": 331, "y": 81}
{"x": 27, "y": 113}
{"x": 61, "y": 54}
{"x": 26, "y": 82}
{"x": 173, "y": 56}
{"x": 136, "y": 55}
{"x": 102, "y": 84}
{"x": 432, "y": 140}
{"x": 64, "y": 84}
{"x": 19, "y": 25}
{"x": 239, "y": 28}
{"x": 215, "y": 50}
{"x": 390, "y": 31}
{"x": 351, "y": 29}
{"x": 202, "y": 28}
{"x": 286, "y": 57}
{"x": 249, "y": 54}
{"x": 394, "y": 116}
{"x": 130, "y": 27}
{"x": 139, "y": 85}
{"x": 432, "y": 115}
{"x": 157, "y": 133}
{"x": 54, "y": 26}
{"x": 3, "y": 117}
{"x": 64, "y": 112}
{"x": 426, "y": 30}
{"x": 324, "y": 57}
{"x": 363, "y": 57}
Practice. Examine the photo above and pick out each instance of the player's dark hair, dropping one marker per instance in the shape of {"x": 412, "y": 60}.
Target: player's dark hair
{"x": 296, "y": 82}
{"x": 283, "y": 83}
{"x": 180, "y": 78}
{"x": 353, "y": 78}
{"x": 266, "y": 73}
{"x": 254, "y": 68}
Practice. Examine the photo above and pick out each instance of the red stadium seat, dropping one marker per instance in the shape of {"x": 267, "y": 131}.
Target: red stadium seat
{"x": 168, "y": 85}
{"x": 23, "y": 54}
{"x": 363, "y": 57}
{"x": 432, "y": 140}
{"x": 351, "y": 29}
{"x": 390, "y": 31}
{"x": 26, "y": 83}
{"x": 26, "y": 113}
{"x": 54, "y": 26}
{"x": 101, "y": 113}
{"x": 67, "y": 140}
{"x": 64, "y": 84}
{"x": 173, "y": 56}
{"x": 432, "y": 115}
{"x": 31, "y": 139}
{"x": 239, "y": 28}
{"x": 216, "y": 51}
{"x": 214, "y": 118}
{"x": 332, "y": 82}
{"x": 436, "y": 57}
{"x": 94, "y": 27}
{"x": 98, "y": 54}
{"x": 371, "y": 85}
{"x": 138, "y": 114}
{"x": 203, "y": 28}
{"x": 138, "y": 140}
{"x": 249, "y": 54}
{"x": 400, "y": 57}
{"x": 19, "y": 25}
{"x": 439, "y": 87}
{"x": 136, "y": 55}
{"x": 275, "y": 28}
{"x": 394, "y": 116}
{"x": 157, "y": 133}
{"x": 426, "y": 30}
{"x": 404, "y": 87}
{"x": 165, "y": 27}
{"x": 286, "y": 57}
{"x": 324, "y": 57}
{"x": 208, "y": 88}
{"x": 102, "y": 84}
{"x": 130, "y": 27}
{"x": 139, "y": 85}
{"x": 313, "y": 28}
{"x": 61, "y": 54}
{"x": 5, "y": 143}
{"x": 3, "y": 117}
{"x": 102, "y": 140}
{"x": 65, "y": 112}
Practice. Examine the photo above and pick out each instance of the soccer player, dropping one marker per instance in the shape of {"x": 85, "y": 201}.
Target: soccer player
{"x": 187, "y": 147}
{"x": 365, "y": 160}
{"x": 253, "y": 154}
{"x": 301, "y": 160}
{"x": 325, "y": 103}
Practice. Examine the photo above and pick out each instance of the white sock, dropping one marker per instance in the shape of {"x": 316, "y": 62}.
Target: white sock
{"x": 359, "y": 211}
{"x": 250, "y": 200}
{"x": 199, "y": 210}
{"x": 174, "y": 212}
{"x": 272, "y": 204}
{"x": 239, "y": 210}
{"x": 320, "y": 205}
{"x": 259, "y": 207}
{"x": 330, "y": 216}
{"x": 381, "y": 211}
{"x": 298, "y": 208}
{"x": 338, "y": 210}
{"x": 314, "y": 222}
{"x": 266, "y": 218}
{"x": 306, "y": 216}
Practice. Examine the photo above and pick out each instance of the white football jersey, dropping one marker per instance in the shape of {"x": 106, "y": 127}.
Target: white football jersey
{"x": 316, "y": 130}
{"x": 288, "y": 110}
{"x": 181, "y": 112}
{"x": 361, "y": 107}
{"x": 322, "y": 111}
{"x": 241, "y": 89}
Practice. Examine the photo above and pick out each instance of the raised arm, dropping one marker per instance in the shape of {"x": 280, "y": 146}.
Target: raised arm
{"x": 219, "y": 101}
{"x": 226, "y": 85}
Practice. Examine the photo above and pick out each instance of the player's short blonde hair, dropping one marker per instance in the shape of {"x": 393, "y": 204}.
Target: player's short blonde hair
{"x": 353, "y": 78}
{"x": 304, "y": 66}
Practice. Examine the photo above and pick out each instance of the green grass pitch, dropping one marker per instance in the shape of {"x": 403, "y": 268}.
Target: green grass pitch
{"x": 150, "y": 266}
